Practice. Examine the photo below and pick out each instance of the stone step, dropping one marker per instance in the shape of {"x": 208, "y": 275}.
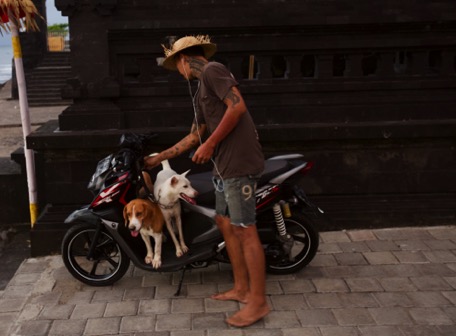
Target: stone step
{"x": 52, "y": 101}
{"x": 42, "y": 100}
{"x": 57, "y": 56}
{"x": 53, "y": 68}
{"x": 43, "y": 86}
{"x": 40, "y": 82}
{"x": 49, "y": 102}
{"x": 54, "y": 74}
{"x": 44, "y": 95}
{"x": 49, "y": 87}
{"x": 44, "y": 83}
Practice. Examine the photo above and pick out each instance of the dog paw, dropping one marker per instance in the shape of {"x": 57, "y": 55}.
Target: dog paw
{"x": 156, "y": 263}
{"x": 148, "y": 259}
{"x": 179, "y": 253}
{"x": 184, "y": 248}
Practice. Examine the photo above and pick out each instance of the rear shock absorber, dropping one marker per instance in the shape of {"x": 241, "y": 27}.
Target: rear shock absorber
{"x": 280, "y": 223}
{"x": 285, "y": 238}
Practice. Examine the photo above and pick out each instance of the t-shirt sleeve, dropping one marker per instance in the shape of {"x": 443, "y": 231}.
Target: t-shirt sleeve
{"x": 219, "y": 79}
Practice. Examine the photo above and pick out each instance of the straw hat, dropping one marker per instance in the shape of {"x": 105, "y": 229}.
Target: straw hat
{"x": 186, "y": 42}
{"x": 24, "y": 12}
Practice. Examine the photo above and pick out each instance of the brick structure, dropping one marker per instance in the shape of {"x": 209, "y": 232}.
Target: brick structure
{"x": 33, "y": 44}
{"x": 366, "y": 90}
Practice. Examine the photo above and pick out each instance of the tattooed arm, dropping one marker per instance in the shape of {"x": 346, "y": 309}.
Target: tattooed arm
{"x": 188, "y": 142}
{"x": 235, "y": 109}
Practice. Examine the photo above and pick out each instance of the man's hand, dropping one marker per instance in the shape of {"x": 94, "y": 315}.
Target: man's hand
{"x": 204, "y": 153}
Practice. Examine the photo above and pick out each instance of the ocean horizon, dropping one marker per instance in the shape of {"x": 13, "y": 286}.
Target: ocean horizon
{"x": 6, "y": 59}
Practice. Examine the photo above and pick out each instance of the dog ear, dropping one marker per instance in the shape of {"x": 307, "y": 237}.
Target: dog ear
{"x": 185, "y": 174}
{"x": 125, "y": 216}
{"x": 174, "y": 181}
{"x": 146, "y": 213}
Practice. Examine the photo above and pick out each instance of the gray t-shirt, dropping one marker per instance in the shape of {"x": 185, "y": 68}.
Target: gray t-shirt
{"x": 240, "y": 153}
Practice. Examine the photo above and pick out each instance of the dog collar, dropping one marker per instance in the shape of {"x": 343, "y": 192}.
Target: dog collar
{"x": 163, "y": 206}
{"x": 166, "y": 207}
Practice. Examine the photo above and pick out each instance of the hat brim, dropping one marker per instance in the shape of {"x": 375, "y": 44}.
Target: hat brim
{"x": 170, "y": 61}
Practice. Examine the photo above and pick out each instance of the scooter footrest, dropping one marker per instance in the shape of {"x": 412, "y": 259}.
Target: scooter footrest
{"x": 172, "y": 263}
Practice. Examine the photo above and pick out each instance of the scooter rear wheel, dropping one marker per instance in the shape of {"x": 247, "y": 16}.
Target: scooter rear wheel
{"x": 304, "y": 249}
{"x": 108, "y": 263}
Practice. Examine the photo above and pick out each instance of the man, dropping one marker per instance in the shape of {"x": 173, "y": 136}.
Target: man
{"x": 233, "y": 143}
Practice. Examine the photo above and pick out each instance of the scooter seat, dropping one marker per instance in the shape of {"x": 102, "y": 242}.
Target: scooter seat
{"x": 202, "y": 182}
{"x": 273, "y": 168}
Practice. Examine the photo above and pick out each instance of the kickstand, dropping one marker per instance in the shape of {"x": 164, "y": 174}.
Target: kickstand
{"x": 180, "y": 282}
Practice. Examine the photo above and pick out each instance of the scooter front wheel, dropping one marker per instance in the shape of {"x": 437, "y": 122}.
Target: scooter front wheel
{"x": 304, "y": 247}
{"x": 107, "y": 262}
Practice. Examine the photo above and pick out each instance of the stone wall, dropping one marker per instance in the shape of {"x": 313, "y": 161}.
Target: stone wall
{"x": 364, "y": 89}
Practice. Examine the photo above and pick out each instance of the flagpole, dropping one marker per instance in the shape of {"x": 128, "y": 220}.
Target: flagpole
{"x": 25, "y": 118}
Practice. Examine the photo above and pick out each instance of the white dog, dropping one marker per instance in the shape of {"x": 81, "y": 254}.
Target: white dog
{"x": 169, "y": 188}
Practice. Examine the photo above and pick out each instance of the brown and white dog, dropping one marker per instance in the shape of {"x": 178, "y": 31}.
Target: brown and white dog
{"x": 169, "y": 188}
{"x": 144, "y": 217}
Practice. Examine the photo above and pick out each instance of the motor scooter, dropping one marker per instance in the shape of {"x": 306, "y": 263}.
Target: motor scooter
{"x": 98, "y": 247}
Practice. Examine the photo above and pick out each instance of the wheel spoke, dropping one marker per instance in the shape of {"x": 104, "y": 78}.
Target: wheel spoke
{"x": 104, "y": 242}
{"x": 94, "y": 267}
{"x": 106, "y": 257}
{"x": 112, "y": 262}
{"x": 300, "y": 239}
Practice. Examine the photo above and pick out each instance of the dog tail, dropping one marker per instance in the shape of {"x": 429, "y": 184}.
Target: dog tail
{"x": 165, "y": 164}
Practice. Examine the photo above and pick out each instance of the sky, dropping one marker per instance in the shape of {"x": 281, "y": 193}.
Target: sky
{"x": 53, "y": 17}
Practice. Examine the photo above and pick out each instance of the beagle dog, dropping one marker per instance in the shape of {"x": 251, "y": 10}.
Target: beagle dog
{"x": 144, "y": 217}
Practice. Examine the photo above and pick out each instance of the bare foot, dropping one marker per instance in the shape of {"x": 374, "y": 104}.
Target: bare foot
{"x": 248, "y": 315}
{"x": 231, "y": 295}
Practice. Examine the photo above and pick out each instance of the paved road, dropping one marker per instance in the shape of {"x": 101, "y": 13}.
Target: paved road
{"x": 386, "y": 282}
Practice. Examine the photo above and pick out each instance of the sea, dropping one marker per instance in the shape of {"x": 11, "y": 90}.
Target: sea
{"x": 6, "y": 59}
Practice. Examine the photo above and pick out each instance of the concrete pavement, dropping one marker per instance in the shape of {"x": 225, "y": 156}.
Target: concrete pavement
{"x": 385, "y": 282}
